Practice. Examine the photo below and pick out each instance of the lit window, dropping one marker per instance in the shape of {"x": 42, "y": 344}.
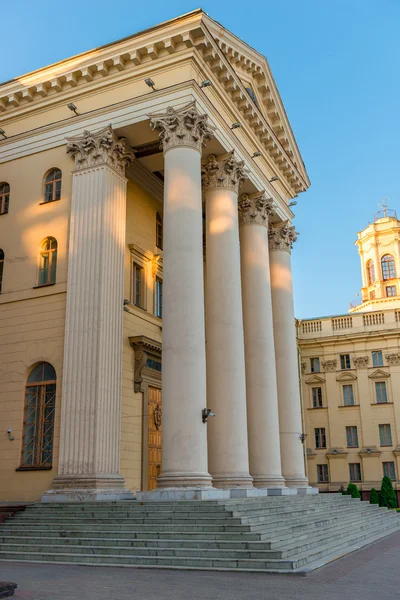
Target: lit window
{"x": 315, "y": 365}
{"x": 320, "y": 437}
{"x": 380, "y": 390}
{"x": 345, "y": 361}
{"x": 158, "y": 298}
{"x": 348, "y": 395}
{"x": 388, "y": 267}
{"x": 138, "y": 285}
{"x": 385, "y": 435}
{"x": 317, "y": 397}
{"x": 1, "y": 268}
{"x": 40, "y": 404}
{"x": 322, "y": 473}
{"x": 4, "y": 198}
{"x": 377, "y": 359}
{"x": 389, "y": 470}
{"x": 52, "y": 186}
{"x": 390, "y": 291}
{"x": 159, "y": 232}
{"x": 352, "y": 436}
{"x": 355, "y": 471}
{"x": 370, "y": 272}
{"x": 48, "y": 261}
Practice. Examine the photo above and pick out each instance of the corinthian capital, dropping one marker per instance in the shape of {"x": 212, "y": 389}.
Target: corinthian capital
{"x": 255, "y": 209}
{"x": 94, "y": 148}
{"x": 282, "y": 237}
{"x": 182, "y": 127}
{"x": 224, "y": 172}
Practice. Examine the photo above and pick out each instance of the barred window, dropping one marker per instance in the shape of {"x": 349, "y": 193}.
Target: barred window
{"x": 355, "y": 471}
{"x": 52, "y": 186}
{"x": 389, "y": 470}
{"x": 4, "y": 198}
{"x": 388, "y": 267}
{"x": 348, "y": 395}
{"x": 48, "y": 261}
{"x": 322, "y": 473}
{"x": 380, "y": 390}
{"x": 352, "y": 436}
{"x": 320, "y": 437}
{"x": 40, "y": 403}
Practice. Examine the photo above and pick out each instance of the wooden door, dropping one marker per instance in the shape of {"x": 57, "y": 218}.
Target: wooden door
{"x": 154, "y": 437}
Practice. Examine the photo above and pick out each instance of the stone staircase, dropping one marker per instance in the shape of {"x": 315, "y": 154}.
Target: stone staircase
{"x": 293, "y": 534}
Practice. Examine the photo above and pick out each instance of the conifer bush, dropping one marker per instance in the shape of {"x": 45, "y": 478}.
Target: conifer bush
{"x": 387, "y": 496}
{"x": 353, "y": 491}
{"x": 373, "y": 496}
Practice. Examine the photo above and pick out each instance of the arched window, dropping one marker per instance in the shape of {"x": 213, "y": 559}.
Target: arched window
{"x": 370, "y": 272}
{"x": 48, "y": 261}
{"x": 40, "y": 405}
{"x": 4, "y": 198}
{"x": 159, "y": 231}
{"x": 1, "y": 268}
{"x": 52, "y": 185}
{"x": 388, "y": 267}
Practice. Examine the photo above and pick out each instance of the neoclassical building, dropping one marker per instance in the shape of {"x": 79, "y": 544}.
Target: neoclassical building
{"x": 145, "y": 192}
{"x": 351, "y": 373}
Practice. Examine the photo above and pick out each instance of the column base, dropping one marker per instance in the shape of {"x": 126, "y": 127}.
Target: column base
{"x": 268, "y": 482}
{"x": 102, "y": 488}
{"x": 184, "y": 480}
{"x": 297, "y": 481}
{"x": 181, "y": 493}
{"x": 237, "y": 480}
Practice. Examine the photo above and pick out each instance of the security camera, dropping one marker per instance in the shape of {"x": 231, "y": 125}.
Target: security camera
{"x": 9, "y": 430}
{"x": 205, "y": 413}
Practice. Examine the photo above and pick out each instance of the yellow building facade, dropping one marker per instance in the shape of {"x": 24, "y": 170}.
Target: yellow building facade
{"x": 350, "y": 374}
{"x": 108, "y": 163}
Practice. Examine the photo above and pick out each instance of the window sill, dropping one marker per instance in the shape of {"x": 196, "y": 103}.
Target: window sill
{"x": 35, "y": 287}
{"x": 348, "y": 406}
{"x": 317, "y": 407}
{"x": 50, "y": 201}
{"x": 324, "y": 448}
{"x": 352, "y": 447}
{"x": 35, "y": 468}
{"x": 3, "y": 213}
{"x": 386, "y": 445}
{"x": 380, "y": 403}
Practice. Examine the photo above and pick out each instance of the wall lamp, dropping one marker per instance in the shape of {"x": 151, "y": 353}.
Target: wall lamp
{"x": 236, "y": 125}
{"x": 3, "y": 133}
{"x": 256, "y": 154}
{"x": 303, "y": 437}
{"x": 126, "y": 302}
{"x": 276, "y": 178}
{"x": 10, "y": 435}
{"x": 72, "y": 107}
{"x": 206, "y": 83}
{"x": 150, "y": 83}
{"x": 205, "y": 413}
{"x": 293, "y": 203}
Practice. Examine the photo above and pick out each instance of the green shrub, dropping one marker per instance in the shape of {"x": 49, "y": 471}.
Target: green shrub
{"x": 353, "y": 491}
{"x": 342, "y": 490}
{"x": 373, "y": 496}
{"x": 387, "y": 496}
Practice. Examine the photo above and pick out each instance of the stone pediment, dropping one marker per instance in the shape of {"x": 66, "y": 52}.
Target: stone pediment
{"x": 379, "y": 374}
{"x": 315, "y": 379}
{"x": 346, "y": 377}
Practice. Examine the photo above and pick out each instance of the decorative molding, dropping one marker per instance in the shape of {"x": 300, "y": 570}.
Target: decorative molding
{"x": 361, "y": 362}
{"x": 346, "y": 377}
{"x": 282, "y": 237}
{"x": 182, "y": 127}
{"x": 223, "y": 172}
{"x": 315, "y": 379}
{"x": 379, "y": 374}
{"x": 94, "y": 148}
{"x": 145, "y": 348}
{"x": 336, "y": 453}
{"x": 370, "y": 451}
{"x": 329, "y": 365}
{"x": 310, "y": 453}
{"x": 303, "y": 367}
{"x": 393, "y": 359}
{"x": 255, "y": 209}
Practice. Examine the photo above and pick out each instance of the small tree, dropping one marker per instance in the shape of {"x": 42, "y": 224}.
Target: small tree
{"x": 373, "y": 496}
{"x": 353, "y": 491}
{"x": 387, "y": 496}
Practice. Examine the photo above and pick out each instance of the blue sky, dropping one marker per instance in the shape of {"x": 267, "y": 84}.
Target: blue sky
{"x": 336, "y": 63}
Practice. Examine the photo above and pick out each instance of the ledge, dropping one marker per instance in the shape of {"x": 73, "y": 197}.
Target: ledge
{"x": 42, "y": 285}
{"x": 380, "y": 403}
{"x": 348, "y": 406}
{"x": 50, "y": 201}
{"x": 34, "y": 468}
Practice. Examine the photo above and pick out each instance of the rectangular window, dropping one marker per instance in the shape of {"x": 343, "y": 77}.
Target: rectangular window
{"x": 348, "y": 395}
{"x": 315, "y": 366}
{"x": 345, "y": 361}
{"x": 377, "y": 359}
{"x": 317, "y": 397}
{"x": 138, "y": 285}
{"x": 322, "y": 473}
{"x": 390, "y": 291}
{"x": 352, "y": 436}
{"x": 320, "y": 437}
{"x": 385, "y": 435}
{"x": 389, "y": 470}
{"x": 380, "y": 390}
{"x": 355, "y": 471}
{"x": 158, "y": 297}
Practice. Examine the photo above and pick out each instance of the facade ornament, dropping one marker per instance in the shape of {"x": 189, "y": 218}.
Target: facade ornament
{"x": 147, "y": 352}
{"x": 303, "y": 367}
{"x": 94, "y": 148}
{"x": 330, "y": 365}
{"x": 361, "y": 362}
{"x": 393, "y": 359}
{"x": 157, "y": 416}
{"x": 223, "y": 172}
{"x": 255, "y": 209}
{"x": 182, "y": 127}
{"x": 282, "y": 237}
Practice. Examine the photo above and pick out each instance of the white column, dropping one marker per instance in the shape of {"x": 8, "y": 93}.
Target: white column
{"x": 281, "y": 239}
{"x": 262, "y": 394}
{"x": 226, "y": 387}
{"x": 184, "y": 442}
{"x": 92, "y": 373}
